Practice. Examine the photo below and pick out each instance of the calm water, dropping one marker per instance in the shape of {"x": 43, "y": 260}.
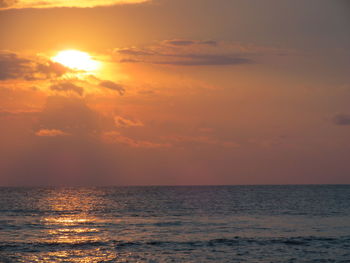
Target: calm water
{"x": 176, "y": 224}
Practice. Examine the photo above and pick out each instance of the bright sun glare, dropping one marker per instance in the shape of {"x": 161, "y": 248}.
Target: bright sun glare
{"x": 77, "y": 60}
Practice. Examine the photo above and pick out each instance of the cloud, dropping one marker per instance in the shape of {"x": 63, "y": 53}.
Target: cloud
{"x": 186, "y": 42}
{"x": 206, "y": 60}
{"x": 112, "y": 86}
{"x": 192, "y": 60}
{"x": 17, "y": 67}
{"x": 68, "y": 87}
{"x": 114, "y": 137}
{"x": 7, "y": 3}
{"x": 134, "y": 52}
{"x": 186, "y": 53}
{"x": 19, "y": 4}
{"x": 12, "y": 66}
{"x": 342, "y": 119}
{"x": 19, "y": 113}
{"x": 73, "y": 115}
{"x": 201, "y": 140}
{"x": 125, "y": 123}
{"x": 50, "y": 133}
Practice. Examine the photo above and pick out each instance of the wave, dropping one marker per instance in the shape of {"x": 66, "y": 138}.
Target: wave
{"x": 120, "y": 245}
{"x": 236, "y": 241}
{"x": 40, "y": 246}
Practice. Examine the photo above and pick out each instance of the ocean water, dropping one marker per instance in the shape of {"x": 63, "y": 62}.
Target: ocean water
{"x": 176, "y": 224}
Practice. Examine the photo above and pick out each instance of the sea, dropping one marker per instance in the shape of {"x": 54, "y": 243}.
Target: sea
{"x": 305, "y": 223}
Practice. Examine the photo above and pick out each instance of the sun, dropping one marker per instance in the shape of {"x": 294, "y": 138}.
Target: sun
{"x": 76, "y": 60}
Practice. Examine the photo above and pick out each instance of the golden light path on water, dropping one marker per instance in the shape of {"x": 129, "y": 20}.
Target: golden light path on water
{"x": 72, "y": 230}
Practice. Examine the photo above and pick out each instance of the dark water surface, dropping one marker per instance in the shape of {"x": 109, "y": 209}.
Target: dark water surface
{"x": 176, "y": 224}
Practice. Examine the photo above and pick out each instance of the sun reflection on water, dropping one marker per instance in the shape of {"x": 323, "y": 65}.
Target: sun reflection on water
{"x": 72, "y": 232}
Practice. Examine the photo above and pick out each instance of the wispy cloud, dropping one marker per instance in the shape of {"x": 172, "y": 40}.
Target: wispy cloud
{"x": 206, "y": 140}
{"x": 125, "y": 122}
{"x": 19, "y": 4}
{"x": 188, "y": 42}
{"x": 114, "y": 137}
{"x": 67, "y": 87}
{"x": 51, "y": 133}
{"x": 185, "y": 52}
{"x": 113, "y": 86}
{"x": 20, "y": 113}
{"x": 205, "y": 60}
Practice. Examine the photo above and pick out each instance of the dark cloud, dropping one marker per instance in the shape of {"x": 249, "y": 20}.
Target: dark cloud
{"x": 186, "y": 53}
{"x": 51, "y": 69}
{"x": 128, "y": 60}
{"x": 12, "y": 66}
{"x": 206, "y": 60}
{"x": 112, "y": 86}
{"x": 134, "y": 52}
{"x": 194, "y": 60}
{"x": 68, "y": 87}
{"x": 179, "y": 42}
{"x": 209, "y": 42}
{"x": 184, "y": 42}
{"x": 342, "y": 119}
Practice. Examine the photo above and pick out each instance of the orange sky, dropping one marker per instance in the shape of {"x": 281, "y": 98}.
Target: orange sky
{"x": 185, "y": 92}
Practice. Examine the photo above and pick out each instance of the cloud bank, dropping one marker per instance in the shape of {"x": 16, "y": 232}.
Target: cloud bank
{"x": 187, "y": 52}
{"x": 14, "y": 66}
{"x": 54, "y": 76}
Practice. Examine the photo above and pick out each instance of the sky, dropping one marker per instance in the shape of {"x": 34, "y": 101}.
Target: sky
{"x": 174, "y": 92}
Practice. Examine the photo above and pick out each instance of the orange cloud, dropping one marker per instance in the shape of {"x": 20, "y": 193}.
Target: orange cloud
{"x": 124, "y": 123}
{"x": 50, "y": 133}
{"x": 115, "y": 137}
{"x": 13, "y": 4}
